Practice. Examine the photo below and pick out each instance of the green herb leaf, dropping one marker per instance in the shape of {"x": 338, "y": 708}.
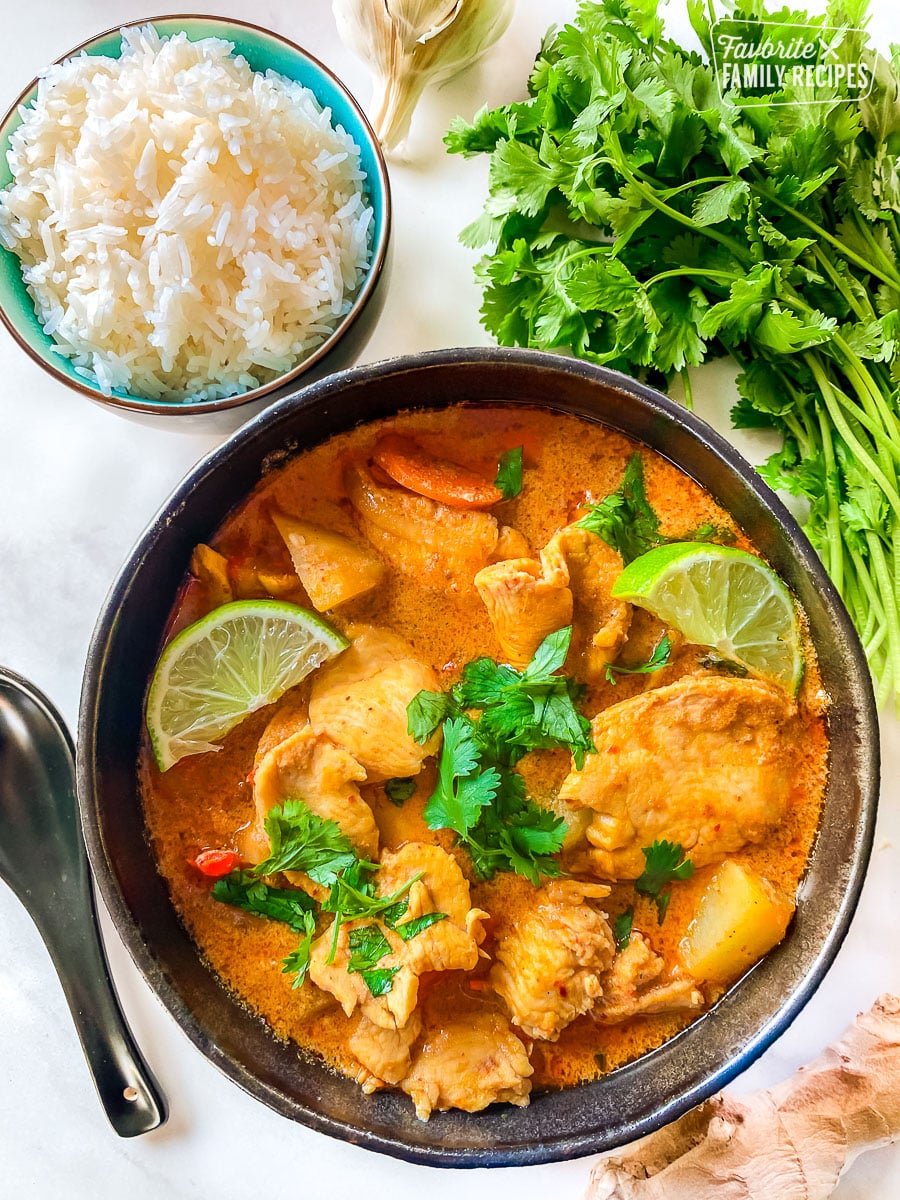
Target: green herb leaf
{"x": 660, "y": 657}
{"x": 509, "y": 473}
{"x": 425, "y": 712}
{"x": 663, "y": 862}
{"x": 622, "y": 928}
{"x": 463, "y": 789}
{"x": 409, "y": 929}
{"x": 625, "y": 519}
{"x": 297, "y": 962}
{"x": 244, "y": 890}
{"x": 380, "y": 981}
{"x": 368, "y": 946}
{"x": 300, "y": 840}
{"x": 398, "y": 791}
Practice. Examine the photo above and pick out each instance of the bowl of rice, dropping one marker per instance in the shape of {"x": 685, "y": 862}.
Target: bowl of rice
{"x": 194, "y": 212}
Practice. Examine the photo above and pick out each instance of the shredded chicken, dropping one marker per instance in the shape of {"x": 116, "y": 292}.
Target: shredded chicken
{"x": 309, "y": 766}
{"x": 600, "y": 623}
{"x": 633, "y": 985}
{"x": 705, "y": 762}
{"x": 385, "y": 1055}
{"x": 526, "y": 600}
{"x": 448, "y": 945}
{"x": 360, "y": 699}
{"x": 468, "y": 1062}
{"x": 550, "y": 961}
{"x": 440, "y": 546}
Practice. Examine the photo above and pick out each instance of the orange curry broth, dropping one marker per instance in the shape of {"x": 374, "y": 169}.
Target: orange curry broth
{"x": 204, "y": 801}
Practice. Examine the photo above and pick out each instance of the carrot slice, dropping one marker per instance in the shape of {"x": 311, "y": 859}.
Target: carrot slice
{"x": 447, "y": 482}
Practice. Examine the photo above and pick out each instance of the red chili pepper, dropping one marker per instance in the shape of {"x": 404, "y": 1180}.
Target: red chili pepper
{"x": 215, "y": 863}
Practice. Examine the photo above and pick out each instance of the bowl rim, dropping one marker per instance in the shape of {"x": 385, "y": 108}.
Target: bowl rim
{"x": 564, "y": 1145}
{"x": 379, "y": 250}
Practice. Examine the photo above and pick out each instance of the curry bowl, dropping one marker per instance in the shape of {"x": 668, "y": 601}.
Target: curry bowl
{"x": 264, "y": 51}
{"x": 631, "y": 1100}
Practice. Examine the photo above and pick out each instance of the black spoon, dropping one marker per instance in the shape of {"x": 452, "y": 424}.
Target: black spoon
{"x": 44, "y": 861}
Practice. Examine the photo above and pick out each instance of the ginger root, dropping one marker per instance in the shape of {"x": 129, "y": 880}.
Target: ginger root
{"x": 792, "y": 1142}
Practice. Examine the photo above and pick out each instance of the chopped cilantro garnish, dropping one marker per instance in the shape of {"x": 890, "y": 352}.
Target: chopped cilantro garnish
{"x": 297, "y": 962}
{"x": 380, "y": 981}
{"x": 398, "y": 791}
{"x": 409, "y": 929}
{"x": 661, "y": 656}
{"x": 509, "y": 473}
{"x": 425, "y": 712}
{"x": 368, "y": 946}
{"x": 664, "y": 862}
{"x": 625, "y": 519}
{"x": 300, "y": 840}
{"x": 622, "y": 928}
{"x": 243, "y": 889}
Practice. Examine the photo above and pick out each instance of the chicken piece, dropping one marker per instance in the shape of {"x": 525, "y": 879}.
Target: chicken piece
{"x": 392, "y": 1009}
{"x": 448, "y": 945}
{"x": 384, "y": 1054}
{"x": 309, "y": 766}
{"x": 627, "y": 989}
{"x": 550, "y": 960}
{"x": 705, "y": 762}
{"x": 468, "y": 1061}
{"x": 211, "y": 568}
{"x": 332, "y": 568}
{"x": 511, "y": 544}
{"x": 360, "y": 700}
{"x": 441, "y": 547}
{"x": 600, "y": 623}
{"x": 526, "y": 600}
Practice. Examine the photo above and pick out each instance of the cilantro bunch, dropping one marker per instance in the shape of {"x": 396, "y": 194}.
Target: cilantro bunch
{"x": 638, "y": 218}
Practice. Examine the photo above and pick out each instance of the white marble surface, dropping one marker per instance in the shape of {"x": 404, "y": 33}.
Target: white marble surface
{"x": 77, "y": 485}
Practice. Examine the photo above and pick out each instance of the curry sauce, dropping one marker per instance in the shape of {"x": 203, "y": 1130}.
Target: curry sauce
{"x": 207, "y": 801}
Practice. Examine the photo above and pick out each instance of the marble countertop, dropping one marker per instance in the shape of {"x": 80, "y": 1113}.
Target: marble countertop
{"x": 77, "y": 485}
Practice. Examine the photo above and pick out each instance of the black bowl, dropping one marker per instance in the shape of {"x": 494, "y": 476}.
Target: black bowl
{"x": 632, "y": 1100}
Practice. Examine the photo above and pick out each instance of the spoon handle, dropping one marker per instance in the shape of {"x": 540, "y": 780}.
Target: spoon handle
{"x": 126, "y": 1086}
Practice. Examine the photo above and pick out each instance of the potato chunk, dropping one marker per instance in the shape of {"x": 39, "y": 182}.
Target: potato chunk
{"x": 332, "y": 568}
{"x": 739, "y": 918}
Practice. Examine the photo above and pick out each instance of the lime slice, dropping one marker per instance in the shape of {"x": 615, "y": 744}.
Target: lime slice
{"x": 236, "y": 659}
{"x": 723, "y": 598}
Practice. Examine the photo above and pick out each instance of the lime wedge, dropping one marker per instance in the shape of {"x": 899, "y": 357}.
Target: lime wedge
{"x": 236, "y": 659}
{"x": 723, "y": 598}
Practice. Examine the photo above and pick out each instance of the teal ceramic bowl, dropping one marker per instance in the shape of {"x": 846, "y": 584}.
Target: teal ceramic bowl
{"x": 263, "y": 50}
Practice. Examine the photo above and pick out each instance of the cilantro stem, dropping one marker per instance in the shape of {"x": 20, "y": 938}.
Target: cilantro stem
{"x": 651, "y": 196}
{"x": 834, "y": 411}
{"x": 688, "y": 390}
{"x": 702, "y": 273}
{"x": 877, "y": 559}
{"x": 893, "y": 279}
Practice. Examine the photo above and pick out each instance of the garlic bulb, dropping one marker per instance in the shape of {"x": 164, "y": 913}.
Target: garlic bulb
{"x": 410, "y": 43}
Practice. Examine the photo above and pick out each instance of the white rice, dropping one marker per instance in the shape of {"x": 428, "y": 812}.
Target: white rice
{"x": 187, "y": 227}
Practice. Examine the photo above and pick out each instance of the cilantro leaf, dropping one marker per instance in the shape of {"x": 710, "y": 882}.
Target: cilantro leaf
{"x": 622, "y": 928}
{"x": 625, "y": 519}
{"x": 242, "y": 889}
{"x": 301, "y": 840}
{"x": 368, "y": 946}
{"x": 509, "y": 473}
{"x": 462, "y": 789}
{"x": 659, "y": 658}
{"x": 398, "y": 791}
{"x": 663, "y": 862}
{"x": 425, "y": 712}
{"x": 416, "y": 925}
{"x": 380, "y": 981}
{"x": 297, "y": 962}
